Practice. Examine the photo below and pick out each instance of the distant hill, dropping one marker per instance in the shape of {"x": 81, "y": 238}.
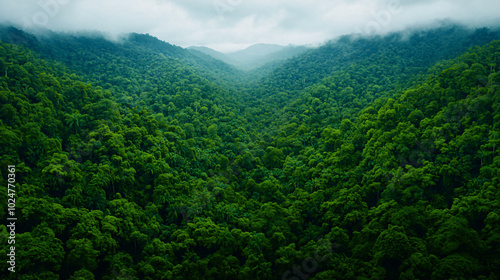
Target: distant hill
{"x": 423, "y": 48}
{"x": 254, "y": 56}
{"x": 213, "y": 53}
{"x": 257, "y": 50}
{"x": 77, "y": 51}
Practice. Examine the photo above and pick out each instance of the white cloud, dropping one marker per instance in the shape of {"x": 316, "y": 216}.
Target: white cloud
{"x": 230, "y": 24}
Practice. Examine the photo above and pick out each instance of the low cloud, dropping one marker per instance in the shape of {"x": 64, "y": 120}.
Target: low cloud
{"x": 232, "y": 24}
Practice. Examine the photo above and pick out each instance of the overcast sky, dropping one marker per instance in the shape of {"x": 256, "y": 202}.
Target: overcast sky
{"x": 227, "y": 25}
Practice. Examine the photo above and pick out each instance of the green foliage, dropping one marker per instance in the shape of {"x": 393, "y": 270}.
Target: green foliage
{"x": 138, "y": 160}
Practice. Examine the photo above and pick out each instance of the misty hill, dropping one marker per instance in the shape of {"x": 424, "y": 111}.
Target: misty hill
{"x": 213, "y": 53}
{"x": 412, "y": 51}
{"x": 80, "y": 51}
{"x": 258, "y": 55}
{"x": 254, "y": 56}
{"x": 366, "y": 158}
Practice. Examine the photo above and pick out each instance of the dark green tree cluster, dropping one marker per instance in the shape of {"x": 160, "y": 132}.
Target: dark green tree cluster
{"x": 133, "y": 163}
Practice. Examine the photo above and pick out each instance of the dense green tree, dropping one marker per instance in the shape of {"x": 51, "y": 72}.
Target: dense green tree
{"x": 356, "y": 160}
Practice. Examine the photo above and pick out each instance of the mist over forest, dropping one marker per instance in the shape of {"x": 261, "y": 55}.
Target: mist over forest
{"x": 138, "y": 147}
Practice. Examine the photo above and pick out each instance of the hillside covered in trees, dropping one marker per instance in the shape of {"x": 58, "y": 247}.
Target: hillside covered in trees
{"x": 366, "y": 158}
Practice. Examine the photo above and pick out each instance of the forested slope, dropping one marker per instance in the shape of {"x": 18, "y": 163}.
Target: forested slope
{"x": 346, "y": 75}
{"x": 135, "y": 57}
{"x": 142, "y": 168}
{"x": 409, "y": 52}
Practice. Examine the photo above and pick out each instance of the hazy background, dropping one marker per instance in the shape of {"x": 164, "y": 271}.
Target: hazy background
{"x": 227, "y": 25}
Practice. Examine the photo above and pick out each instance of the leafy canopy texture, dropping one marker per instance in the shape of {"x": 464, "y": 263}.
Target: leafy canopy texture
{"x": 367, "y": 158}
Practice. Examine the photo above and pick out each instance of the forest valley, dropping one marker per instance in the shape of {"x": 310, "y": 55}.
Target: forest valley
{"x": 366, "y": 158}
